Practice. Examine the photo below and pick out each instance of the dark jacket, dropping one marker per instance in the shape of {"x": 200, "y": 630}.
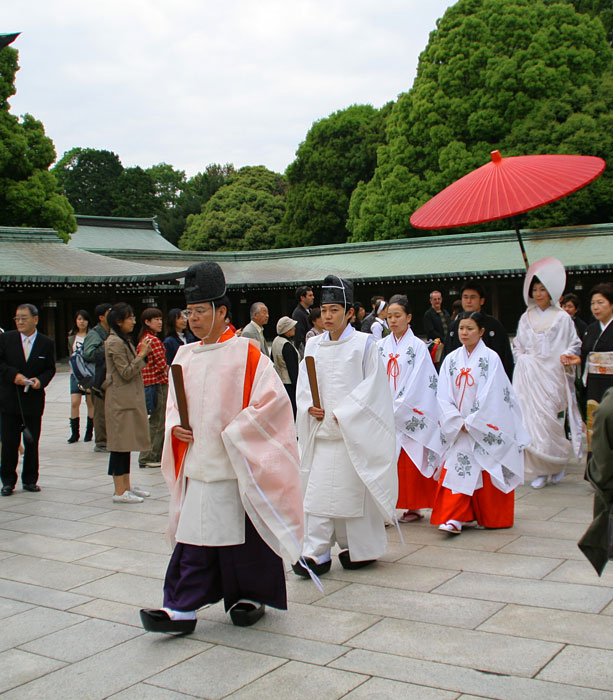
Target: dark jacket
{"x": 40, "y": 365}
{"x": 595, "y": 542}
{"x": 495, "y": 337}
{"x": 172, "y": 343}
{"x": 301, "y": 316}
{"x": 595, "y": 340}
{"x": 433, "y": 326}
{"x": 367, "y": 322}
{"x": 93, "y": 351}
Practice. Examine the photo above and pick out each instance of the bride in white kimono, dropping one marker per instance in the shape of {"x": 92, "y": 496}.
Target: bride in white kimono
{"x": 544, "y": 387}
{"x": 413, "y": 381}
{"x": 481, "y": 428}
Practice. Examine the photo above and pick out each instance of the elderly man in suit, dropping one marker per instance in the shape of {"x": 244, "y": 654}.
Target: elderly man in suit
{"x": 27, "y": 365}
{"x": 258, "y": 313}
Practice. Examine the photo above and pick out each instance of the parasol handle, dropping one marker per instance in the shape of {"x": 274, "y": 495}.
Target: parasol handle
{"x": 310, "y": 365}
{"x": 177, "y": 378}
{"x": 521, "y": 243}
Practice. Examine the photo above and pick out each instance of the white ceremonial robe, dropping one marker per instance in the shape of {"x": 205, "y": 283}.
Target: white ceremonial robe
{"x": 413, "y": 382}
{"x": 474, "y": 391}
{"x": 348, "y": 459}
{"x": 545, "y": 389}
{"x": 242, "y": 460}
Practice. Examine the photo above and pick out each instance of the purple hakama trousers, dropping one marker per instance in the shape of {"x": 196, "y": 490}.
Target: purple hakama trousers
{"x": 198, "y": 576}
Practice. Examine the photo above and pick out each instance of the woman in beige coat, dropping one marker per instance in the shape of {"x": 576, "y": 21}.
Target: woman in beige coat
{"x": 127, "y": 425}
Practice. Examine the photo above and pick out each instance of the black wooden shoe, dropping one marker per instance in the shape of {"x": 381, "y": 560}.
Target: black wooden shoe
{"x": 246, "y": 614}
{"x": 346, "y": 562}
{"x": 317, "y": 569}
{"x": 159, "y": 621}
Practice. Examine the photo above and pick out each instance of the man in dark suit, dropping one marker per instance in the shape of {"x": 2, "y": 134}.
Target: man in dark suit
{"x": 27, "y": 365}
{"x": 495, "y": 336}
{"x": 305, "y": 298}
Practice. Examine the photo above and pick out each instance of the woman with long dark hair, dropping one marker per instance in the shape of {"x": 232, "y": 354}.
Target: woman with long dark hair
{"x": 177, "y": 334}
{"x": 155, "y": 378}
{"x": 127, "y": 427}
{"x": 76, "y": 337}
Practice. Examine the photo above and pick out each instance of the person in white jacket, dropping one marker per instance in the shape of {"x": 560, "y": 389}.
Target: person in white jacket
{"x": 348, "y": 445}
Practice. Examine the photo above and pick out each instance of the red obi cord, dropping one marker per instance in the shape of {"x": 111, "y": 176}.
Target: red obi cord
{"x": 393, "y": 370}
{"x": 468, "y": 381}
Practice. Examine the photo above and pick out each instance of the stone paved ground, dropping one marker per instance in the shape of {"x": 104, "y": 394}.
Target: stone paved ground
{"x": 512, "y": 614}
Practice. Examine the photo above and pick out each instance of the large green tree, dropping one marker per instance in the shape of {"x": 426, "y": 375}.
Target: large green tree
{"x": 192, "y": 196}
{"x": 603, "y": 9}
{"x": 135, "y": 194}
{"x": 244, "y": 214}
{"x": 28, "y": 191}
{"x": 338, "y": 152}
{"x": 520, "y": 76}
{"x": 90, "y": 179}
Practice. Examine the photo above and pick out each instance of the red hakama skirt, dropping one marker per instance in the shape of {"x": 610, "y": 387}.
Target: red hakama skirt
{"x": 488, "y": 505}
{"x": 415, "y": 491}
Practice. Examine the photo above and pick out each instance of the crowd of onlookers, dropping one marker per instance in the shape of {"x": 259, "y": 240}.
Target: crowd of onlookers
{"x": 126, "y": 397}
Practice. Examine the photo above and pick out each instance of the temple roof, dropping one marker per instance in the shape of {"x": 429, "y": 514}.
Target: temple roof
{"x": 479, "y": 255}
{"x": 105, "y": 233}
{"x": 37, "y": 255}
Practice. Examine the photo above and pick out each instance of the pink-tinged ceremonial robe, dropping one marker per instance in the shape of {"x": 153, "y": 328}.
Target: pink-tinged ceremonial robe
{"x": 244, "y": 457}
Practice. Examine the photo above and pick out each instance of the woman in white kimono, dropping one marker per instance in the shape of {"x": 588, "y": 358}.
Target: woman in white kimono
{"x": 482, "y": 431}
{"x": 413, "y": 381}
{"x": 544, "y": 387}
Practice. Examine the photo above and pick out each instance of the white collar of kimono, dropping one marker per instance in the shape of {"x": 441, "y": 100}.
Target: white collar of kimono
{"x": 605, "y": 326}
{"x": 344, "y": 335}
{"x": 477, "y": 352}
{"x": 543, "y": 311}
{"x": 404, "y": 338}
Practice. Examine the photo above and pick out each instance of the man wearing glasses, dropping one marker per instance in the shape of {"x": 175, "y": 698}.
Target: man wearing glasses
{"x": 235, "y": 499}
{"x": 27, "y": 365}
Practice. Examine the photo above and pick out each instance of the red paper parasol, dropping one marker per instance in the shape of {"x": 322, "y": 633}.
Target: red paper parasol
{"x": 506, "y": 187}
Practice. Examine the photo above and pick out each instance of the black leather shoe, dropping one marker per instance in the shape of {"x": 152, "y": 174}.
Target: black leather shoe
{"x": 346, "y": 562}
{"x": 246, "y": 614}
{"x": 317, "y": 569}
{"x": 34, "y": 488}
{"x": 7, "y": 490}
{"x": 158, "y": 621}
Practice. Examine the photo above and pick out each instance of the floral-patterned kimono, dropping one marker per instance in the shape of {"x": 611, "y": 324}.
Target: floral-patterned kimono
{"x": 485, "y": 463}
{"x": 413, "y": 381}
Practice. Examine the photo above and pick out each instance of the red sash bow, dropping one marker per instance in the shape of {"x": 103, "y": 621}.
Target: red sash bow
{"x": 393, "y": 370}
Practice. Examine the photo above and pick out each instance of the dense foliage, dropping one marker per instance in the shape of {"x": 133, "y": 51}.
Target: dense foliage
{"x": 338, "y": 152}
{"x": 28, "y": 191}
{"x": 244, "y": 214}
{"x": 523, "y": 77}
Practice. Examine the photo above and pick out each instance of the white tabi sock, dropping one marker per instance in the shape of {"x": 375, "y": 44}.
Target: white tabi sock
{"x": 178, "y": 615}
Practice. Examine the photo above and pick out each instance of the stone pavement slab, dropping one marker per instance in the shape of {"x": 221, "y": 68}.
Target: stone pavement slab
{"x": 500, "y": 615}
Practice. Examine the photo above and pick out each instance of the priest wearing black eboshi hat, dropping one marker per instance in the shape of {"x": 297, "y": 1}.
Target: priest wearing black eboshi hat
{"x": 236, "y": 506}
{"x": 348, "y": 445}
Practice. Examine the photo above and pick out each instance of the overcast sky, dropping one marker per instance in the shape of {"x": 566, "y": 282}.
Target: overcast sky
{"x": 193, "y": 82}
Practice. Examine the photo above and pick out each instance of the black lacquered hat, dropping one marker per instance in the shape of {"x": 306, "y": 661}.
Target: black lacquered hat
{"x": 335, "y": 290}
{"x": 204, "y": 281}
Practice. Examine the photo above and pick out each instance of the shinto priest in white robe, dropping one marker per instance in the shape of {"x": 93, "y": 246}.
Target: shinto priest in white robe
{"x": 244, "y": 457}
{"x": 413, "y": 382}
{"x": 544, "y": 387}
{"x": 474, "y": 391}
{"x": 347, "y": 459}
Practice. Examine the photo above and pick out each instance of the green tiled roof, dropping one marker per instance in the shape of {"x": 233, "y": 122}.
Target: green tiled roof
{"x": 38, "y": 255}
{"x": 98, "y": 233}
{"x": 427, "y": 258}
